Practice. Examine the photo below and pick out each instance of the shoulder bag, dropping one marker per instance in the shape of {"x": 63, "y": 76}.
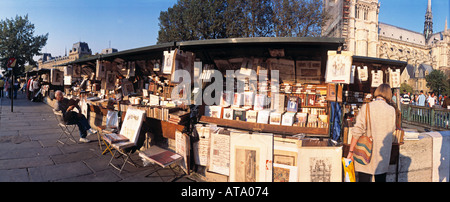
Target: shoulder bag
{"x": 362, "y": 152}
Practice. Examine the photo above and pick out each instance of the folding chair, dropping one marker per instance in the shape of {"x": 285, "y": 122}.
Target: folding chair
{"x": 67, "y": 129}
{"x": 111, "y": 122}
{"x": 131, "y": 129}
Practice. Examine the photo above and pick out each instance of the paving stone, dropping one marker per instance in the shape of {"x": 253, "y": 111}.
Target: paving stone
{"x": 25, "y": 162}
{"x": 58, "y": 172}
{"x": 14, "y": 175}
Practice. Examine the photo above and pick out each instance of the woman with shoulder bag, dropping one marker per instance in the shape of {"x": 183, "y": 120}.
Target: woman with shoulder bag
{"x": 371, "y": 145}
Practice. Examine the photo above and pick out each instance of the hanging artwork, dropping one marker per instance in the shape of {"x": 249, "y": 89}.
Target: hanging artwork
{"x": 219, "y": 157}
{"x": 320, "y": 164}
{"x": 100, "y": 70}
{"x": 394, "y": 78}
{"x": 127, "y": 87}
{"x": 68, "y": 70}
{"x": 251, "y": 157}
{"x": 110, "y": 80}
{"x": 57, "y": 77}
{"x": 377, "y": 78}
{"x": 338, "y": 67}
{"x": 363, "y": 73}
{"x": 168, "y": 61}
{"x": 76, "y": 71}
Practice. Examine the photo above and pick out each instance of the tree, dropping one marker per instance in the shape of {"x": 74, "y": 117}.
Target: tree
{"x": 404, "y": 87}
{"x": 213, "y": 19}
{"x": 17, "y": 40}
{"x": 437, "y": 81}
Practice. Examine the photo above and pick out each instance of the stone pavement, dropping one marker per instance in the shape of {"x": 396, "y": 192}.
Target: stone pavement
{"x": 29, "y": 152}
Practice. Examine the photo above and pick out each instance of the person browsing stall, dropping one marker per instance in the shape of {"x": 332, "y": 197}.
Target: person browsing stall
{"x": 70, "y": 117}
{"x": 382, "y": 125}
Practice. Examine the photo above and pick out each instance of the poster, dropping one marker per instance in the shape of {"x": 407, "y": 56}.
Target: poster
{"x": 320, "y": 164}
{"x": 339, "y": 67}
{"x": 182, "y": 144}
{"x": 363, "y": 73}
{"x": 110, "y": 80}
{"x": 394, "y": 78}
{"x": 219, "y": 161}
{"x": 286, "y": 69}
{"x": 132, "y": 123}
{"x": 377, "y": 78}
{"x": 201, "y": 148}
{"x": 168, "y": 61}
{"x": 57, "y": 77}
{"x": 251, "y": 157}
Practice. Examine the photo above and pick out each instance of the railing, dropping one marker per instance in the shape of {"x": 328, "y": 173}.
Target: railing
{"x": 434, "y": 118}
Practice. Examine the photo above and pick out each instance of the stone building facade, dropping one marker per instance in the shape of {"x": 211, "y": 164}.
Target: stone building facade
{"x": 357, "y": 22}
{"x": 78, "y": 50}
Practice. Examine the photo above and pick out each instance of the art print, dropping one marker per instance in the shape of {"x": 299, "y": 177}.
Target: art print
{"x": 338, "y": 67}
{"x": 251, "y": 157}
{"x": 320, "y": 164}
{"x": 220, "y": 153}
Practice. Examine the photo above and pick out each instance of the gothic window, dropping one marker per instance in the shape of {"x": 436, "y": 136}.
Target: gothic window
{"x": 356, "y": 12}
{"x": 365, "y": 14}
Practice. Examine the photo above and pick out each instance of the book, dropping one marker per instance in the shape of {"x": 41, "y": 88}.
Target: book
{"x": 277, "y": 102}
{"x": 260, "y": 102}
{"x": 112, "y": 138}
{"x": 300, "y": 119}
{"x": 216, "y": 111}
{"x": 227, "y": 98}
{"x": 293, "y": 103}
{"x": 263, "y": 116}
{"x": 228, "y": 113}
{"x": 248, "y": 99}
{"x": 275, "y": 118}
{"x": 288, "y": 119}
{"x": 238, "y": 100}
{"x": 239, "y": 115}
{"x": 251, "y": 116}
{"x": 160, "y": 156}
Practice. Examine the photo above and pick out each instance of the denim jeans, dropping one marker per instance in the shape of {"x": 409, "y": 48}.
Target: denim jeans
{"x": 82, "y": 123}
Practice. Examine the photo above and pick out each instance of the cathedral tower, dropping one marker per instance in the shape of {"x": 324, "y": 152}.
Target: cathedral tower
{"x": 428, "y": 28}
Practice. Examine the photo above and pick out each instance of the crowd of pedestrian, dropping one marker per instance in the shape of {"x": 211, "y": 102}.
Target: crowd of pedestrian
{"x": 31, "y": 87}
{"x": 429, "y": 99}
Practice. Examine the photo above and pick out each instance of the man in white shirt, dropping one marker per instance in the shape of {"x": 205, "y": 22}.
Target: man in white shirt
{"x": 30, "y": 88}
{"x": 431, "y": 100}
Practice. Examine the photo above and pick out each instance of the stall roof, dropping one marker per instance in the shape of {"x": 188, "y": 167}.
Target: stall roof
{"x": 318, "y": 42}
{"x": 379, "y": 61}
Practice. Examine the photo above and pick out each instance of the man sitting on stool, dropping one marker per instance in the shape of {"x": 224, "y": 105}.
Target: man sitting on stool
{"x": 70, "y": 117}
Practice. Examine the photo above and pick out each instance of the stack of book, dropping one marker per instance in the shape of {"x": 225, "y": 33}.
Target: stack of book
{"x": 112, "y": 138}
{"x": 179, "y": 117}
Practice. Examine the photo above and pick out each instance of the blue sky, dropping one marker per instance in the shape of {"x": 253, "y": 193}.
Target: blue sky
{"x": 134, "y": 23}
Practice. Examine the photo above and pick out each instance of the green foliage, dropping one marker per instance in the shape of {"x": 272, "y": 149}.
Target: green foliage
{"x": 214, "y": 19}
{"x": 437, "y": 81}
{"x": 17, "y": 40}
{"x": 407, "y": 88}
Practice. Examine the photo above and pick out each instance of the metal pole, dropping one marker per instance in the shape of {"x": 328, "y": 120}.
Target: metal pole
{"x": 11, "y": 91}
